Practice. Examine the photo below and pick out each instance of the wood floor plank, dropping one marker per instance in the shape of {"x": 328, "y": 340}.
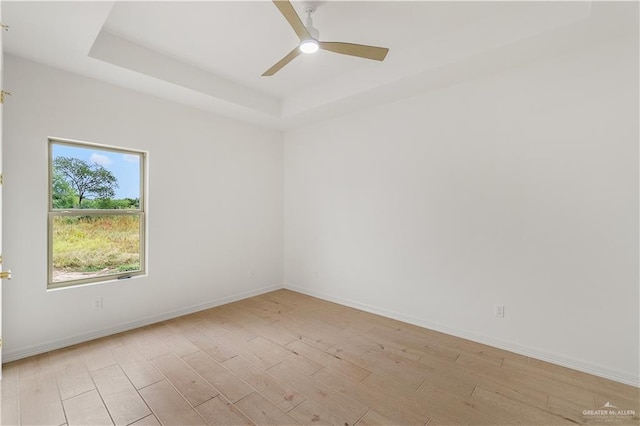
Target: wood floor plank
{"x": 607, "y": 388}
{"x": 217, "y": 411}
{"x": 98, "y": 354}
{"x": 275, "y": 303}
{"x": 266, "y": 346}
{"x": 373, "y": 418}
{"x": 60, "y": 357}
{"x": 145, "y": 341}
{"x": 333, "y": 315}
{"x": 379, "y": 337}
{"x": 441, "y": 341}
{"x": 339, "y": 404}
{"x": 185, "y": 323}
{"x": 410, "y": 345}
{"x": 262, "y": 412}
{"x": 121, "y": 398}
{"x": 519, "y": 393}
{"x": 73, "y": 378}
{"x": 169, "y": 406}
{"x": 334, "y": 362}
{"x": 280, "y": 393}
{"x": 9, "y": 383}
{"x": 310, "y": 412}
{"x": 310, "y": 332}
{"x": 138, "y": 368}
{"x": 388, "y": 404}
{"x": 9, "y": 395}
{"x": 481, "y": 367}
{"x": 219, "y": 377}
{"x": 10, "y": 411}
{"x": 71, "y": 372}
{"x": 389, "y": 365}
{"x": 446, "y": 409}
{"x": 190, "y": 385}
{"x": 246, "y": 314}
{"x": 274, "y": 332}
{"x": 35, "y": 366}
{"x": 241, "y": 346}
{"x": 175, "y": 342}
{"x": 404, "y": 396}
{"x": 398, "y": 349}
{"x": 486, "y": 375}
{"x": 450, "y": 381}
{"x": 461, "y": 381}
{"x": 236, "y": 330}
{"x": 209, "y": 344}
{"x": 550, "y": 386}
{"x": 40, "y": 402}
{"x": 87, "y": 409}
{"x": 567, "y": 409}
{"x": 518, "y": 409}
{"x": 300, "y": 363}
{"x": 278, "y": 353}
{"x": 210, "y": 322}
{"x": 150, "y": 420}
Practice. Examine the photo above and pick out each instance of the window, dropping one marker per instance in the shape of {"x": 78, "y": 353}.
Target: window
{"x": 96, "y": 213}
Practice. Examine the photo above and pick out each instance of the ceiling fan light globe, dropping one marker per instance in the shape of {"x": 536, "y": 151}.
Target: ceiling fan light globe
{"x": 309, "y": 46}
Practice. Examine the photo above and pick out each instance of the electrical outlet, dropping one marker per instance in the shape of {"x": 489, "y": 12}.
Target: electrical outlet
{"x": 97, "y": 303}
{"x": 500, "y": 311}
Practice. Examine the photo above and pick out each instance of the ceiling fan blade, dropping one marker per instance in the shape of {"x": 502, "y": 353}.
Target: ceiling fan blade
{"x": 361, "y": 50}
{"x": 289, "y": 13}
{"x": 282, "y": 62}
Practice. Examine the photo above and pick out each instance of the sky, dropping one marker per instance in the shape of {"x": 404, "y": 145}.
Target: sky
{"x": 125, "y": 167}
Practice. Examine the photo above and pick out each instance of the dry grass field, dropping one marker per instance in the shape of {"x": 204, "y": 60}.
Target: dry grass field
{"x": 91, "y": 246}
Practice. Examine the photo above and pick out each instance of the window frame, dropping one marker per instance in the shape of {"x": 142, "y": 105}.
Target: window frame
{"x": 53, "y": 213}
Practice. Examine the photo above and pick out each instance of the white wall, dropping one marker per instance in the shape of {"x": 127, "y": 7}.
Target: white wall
{"x": 214, "y": 213}
{"x": 518, "y": 189}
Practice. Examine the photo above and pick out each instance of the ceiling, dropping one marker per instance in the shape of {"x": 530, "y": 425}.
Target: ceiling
{"x": 211, "y": 54}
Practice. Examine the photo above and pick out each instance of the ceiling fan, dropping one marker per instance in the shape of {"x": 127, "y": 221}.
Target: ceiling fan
{"x": 309, "y": 40}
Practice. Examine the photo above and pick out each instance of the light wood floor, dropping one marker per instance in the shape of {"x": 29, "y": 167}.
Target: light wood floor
{"x": 285, "y": 358}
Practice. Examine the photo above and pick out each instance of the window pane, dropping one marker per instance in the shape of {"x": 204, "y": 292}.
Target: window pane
{"x": 93, "y": 246}
{"x": 93, "y": 178}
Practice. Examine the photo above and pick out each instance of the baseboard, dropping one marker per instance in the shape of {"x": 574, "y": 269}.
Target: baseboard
{"x": 594, "y": 369}
{"x": 8, "y": 356}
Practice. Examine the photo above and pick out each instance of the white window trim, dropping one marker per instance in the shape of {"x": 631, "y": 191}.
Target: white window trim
{"x": 141, "y": 213}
